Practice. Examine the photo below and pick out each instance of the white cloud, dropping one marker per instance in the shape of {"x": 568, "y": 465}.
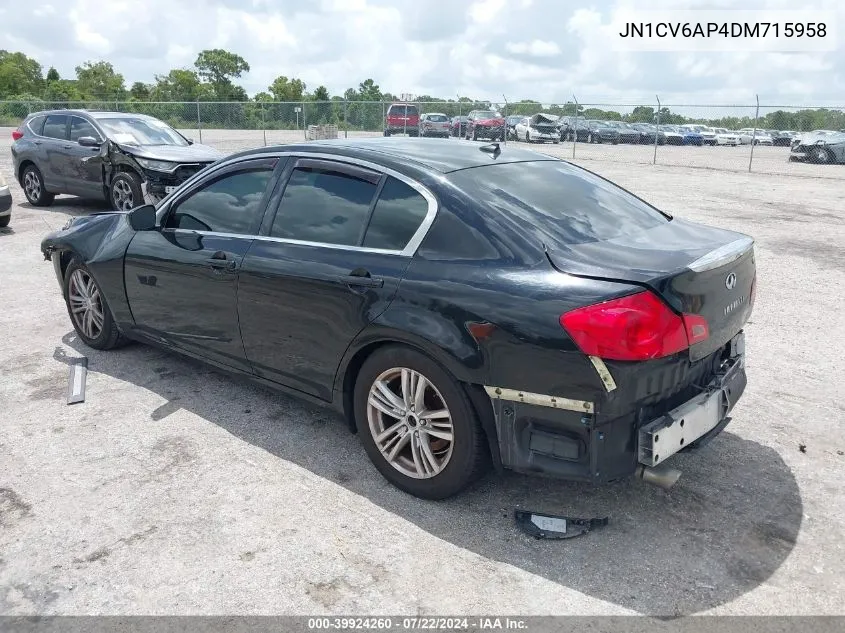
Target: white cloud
{"x": 535, "y": 48}
{"x": 538, "y": 49}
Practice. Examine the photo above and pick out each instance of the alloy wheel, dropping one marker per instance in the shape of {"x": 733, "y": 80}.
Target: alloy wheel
{"x": 122, "y": 195}
{"x": 410, "y": 423}
{"x": 32, "y": 186}
{"x": 86, "y": 304}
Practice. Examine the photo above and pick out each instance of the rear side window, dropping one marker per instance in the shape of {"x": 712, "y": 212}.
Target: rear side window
{"x": 325, "y": 206}
{"x": 229, "y": 204}
{"x": 36, "y": 123}
{"x": 55, "y": 126}
{"x": 558, "y": 201}
{"x": 398, "y": 213}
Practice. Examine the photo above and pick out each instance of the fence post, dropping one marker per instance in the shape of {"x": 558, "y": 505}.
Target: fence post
{"x": 199, "y": 121}
{"x": 304, "y": 123}
{"x": 383, "y": 118}
{"x": 345, "y": 119}
{"x": 575, "y": 135}
{"x": 506, "y": 118}
{"x": 460, "y": 114}
{"x": 754, "y": 135}
{"x": 656, "y": 130}
{"x": 263, "y": 123}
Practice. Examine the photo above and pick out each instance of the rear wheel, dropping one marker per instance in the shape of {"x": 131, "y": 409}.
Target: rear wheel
{"x": 820, "y": 155}
{"x": 88, "y": 310}
{"x": 4, "y": 221}
{"x": 417, "y": 424}
{"x": 33, "y": 187}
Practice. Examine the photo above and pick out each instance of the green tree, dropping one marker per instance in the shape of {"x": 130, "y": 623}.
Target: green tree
{"x": 53, "y": 74}
{"x": 219, "y": 67}
{"x": 140, "y": 91}
{"x": 98, "y": 80}
{"x": 19, "y": 74}
{"x": 641, "y": 114}
{"x": 62, "y": 91}
{"x": 178, "y": 85}
{"x": 284, "y": 89}
{"x": 323, "y": 110}
{"x": 368, "y": 90}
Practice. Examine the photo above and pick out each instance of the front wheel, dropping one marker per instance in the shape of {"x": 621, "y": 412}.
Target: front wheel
{"x": 89, "y": 313}
{"x": 125, "y": 191}
{"x": 417, "y": 424}
{"x": 5, "y": 220}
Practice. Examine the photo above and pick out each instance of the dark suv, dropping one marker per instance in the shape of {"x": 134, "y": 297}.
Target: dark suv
{"x": 127, "y": 159}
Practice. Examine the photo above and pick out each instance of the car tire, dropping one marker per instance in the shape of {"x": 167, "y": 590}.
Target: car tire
{"x": 820, "y": 155}
{"x": 386, "y": 133}
{"x": 438, "y": 468}
{"x": 125, "y": 191}
{"x": 33, "y": 187}
{"x": 4, "y": 221}
{"x": 88, "y": 310}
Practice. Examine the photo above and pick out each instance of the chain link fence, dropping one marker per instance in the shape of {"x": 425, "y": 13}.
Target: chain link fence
{"x": 748, "y": 137}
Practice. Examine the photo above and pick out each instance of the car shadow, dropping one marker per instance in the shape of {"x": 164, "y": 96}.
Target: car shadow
{"x": 71, "y": 205}
{"x": 723, "y": 530}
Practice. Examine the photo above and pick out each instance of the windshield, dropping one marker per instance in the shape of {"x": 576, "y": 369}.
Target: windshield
{"x": 485, "y": 114}
{"x": 557, "y": 201}
{"x": 141, "y": 132}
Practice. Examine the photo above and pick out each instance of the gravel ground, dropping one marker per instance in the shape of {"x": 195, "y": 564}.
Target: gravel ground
{"x": 177, "y": 490}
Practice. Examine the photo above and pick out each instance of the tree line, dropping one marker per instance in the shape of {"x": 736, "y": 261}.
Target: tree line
{"x": 186, "y": 97}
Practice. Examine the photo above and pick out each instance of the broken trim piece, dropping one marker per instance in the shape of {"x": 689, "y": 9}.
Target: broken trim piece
{"x": 550, "y": 526}
{"x": 604, "y": 373}
{"x": 76, "y": 381}
{"x": 555, "y": 402}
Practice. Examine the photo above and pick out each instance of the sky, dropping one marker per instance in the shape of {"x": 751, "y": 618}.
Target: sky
{"x": 544, "y": 50}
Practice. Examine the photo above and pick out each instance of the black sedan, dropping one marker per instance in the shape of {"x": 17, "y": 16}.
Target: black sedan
{"x": 591, "y": 131}
{"x": 439, "y": 295}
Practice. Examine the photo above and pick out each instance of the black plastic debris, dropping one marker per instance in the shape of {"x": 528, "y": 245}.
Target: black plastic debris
{"x": 76, "y": 381}
{"x": 549, "y": 526}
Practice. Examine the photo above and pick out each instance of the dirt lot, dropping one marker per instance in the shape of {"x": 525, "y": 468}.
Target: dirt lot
{"x": 175, "y": 489}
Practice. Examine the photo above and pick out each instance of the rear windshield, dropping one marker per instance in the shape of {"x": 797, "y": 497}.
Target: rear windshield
{"x": 558, "y": 201}
{"x": 438, "y": 118}
{"x": 402, "y": 110}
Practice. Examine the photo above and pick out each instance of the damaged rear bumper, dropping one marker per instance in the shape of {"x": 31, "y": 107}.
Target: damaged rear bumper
{"x": 591, "y": 441}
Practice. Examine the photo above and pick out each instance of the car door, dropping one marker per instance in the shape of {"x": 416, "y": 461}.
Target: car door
{"x": 182, "y": 278}
{"x": 329, "y": 261}
{"x": 51, "y": 154}
{"x": 82, "y": 168}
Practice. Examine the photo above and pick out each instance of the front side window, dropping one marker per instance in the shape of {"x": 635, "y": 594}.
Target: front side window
{"x": 55, "y": 126}
{"x": 79, "y": 127}
{"x": 229, "y": 204}
{"x": 324, "y": 206}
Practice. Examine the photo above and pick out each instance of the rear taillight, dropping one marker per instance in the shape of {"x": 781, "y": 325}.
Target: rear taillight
{"x": 636, "y": 327}
{"x": 17, "y": 135}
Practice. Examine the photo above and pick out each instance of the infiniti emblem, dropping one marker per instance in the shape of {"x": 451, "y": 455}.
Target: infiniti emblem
{"x": 730, "y": 281}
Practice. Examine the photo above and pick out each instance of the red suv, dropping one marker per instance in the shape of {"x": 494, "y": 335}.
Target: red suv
{"x": 402, "y": 118}
{"x": 485, "y": 124}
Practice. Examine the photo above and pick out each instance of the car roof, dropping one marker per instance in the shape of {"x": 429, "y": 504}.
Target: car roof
{"x": 434, "y": 154}
{"x": 95, "y": 114}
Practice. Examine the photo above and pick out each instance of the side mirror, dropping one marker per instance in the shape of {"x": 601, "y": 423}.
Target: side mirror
{"x": 143, "y": 218}
{"x": 190, "y": 140}
{"x": 88, "y": 141}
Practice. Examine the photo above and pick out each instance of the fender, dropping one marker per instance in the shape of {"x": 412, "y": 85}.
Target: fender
{"x": 100, "y": 240}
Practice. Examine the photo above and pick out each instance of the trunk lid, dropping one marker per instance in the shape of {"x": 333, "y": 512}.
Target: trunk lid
{"x": 695, "y": 268}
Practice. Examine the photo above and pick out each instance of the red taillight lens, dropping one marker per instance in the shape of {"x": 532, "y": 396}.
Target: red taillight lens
{"x": 17, "y": 135}
{"x": 636, "y": 327}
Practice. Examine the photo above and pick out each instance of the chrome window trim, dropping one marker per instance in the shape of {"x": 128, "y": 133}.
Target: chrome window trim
{"x": 410, "y": 248}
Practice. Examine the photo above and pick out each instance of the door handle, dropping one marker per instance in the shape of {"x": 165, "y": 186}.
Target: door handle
{"x": 362, "y": 278}
{"x": 364, "y": 282}
{"x": 221, "y": 261}
{"x": 67, "y": 146}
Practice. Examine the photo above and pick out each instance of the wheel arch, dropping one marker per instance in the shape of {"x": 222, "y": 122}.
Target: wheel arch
{"x": 21, "y": 167}
{"x": 356, "y": 356}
